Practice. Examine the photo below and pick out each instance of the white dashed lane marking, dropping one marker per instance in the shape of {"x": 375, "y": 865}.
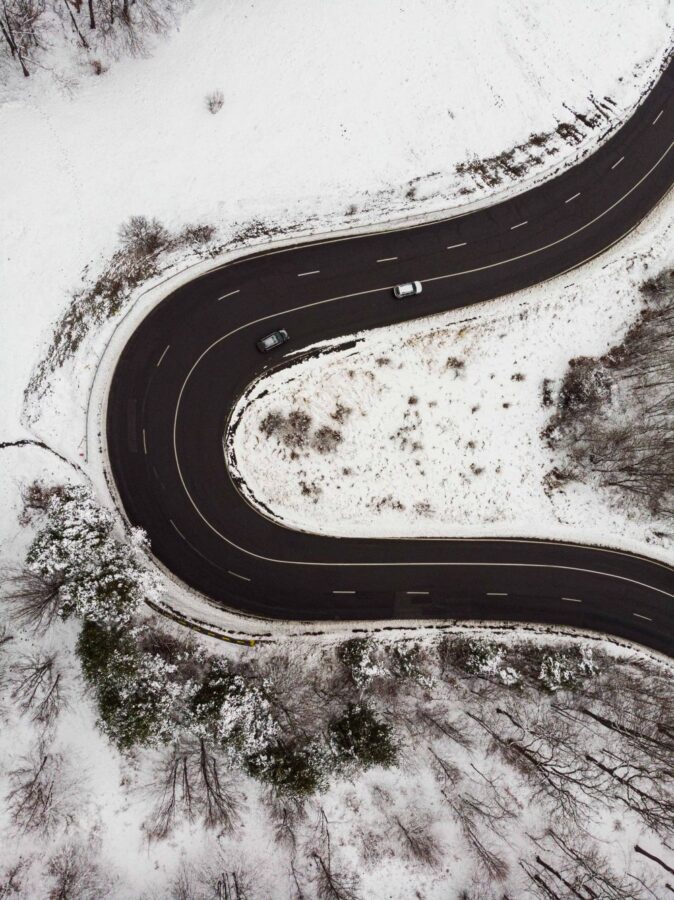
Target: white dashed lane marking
{"x": 519, "y": 225}
{"x": 163, "y": 355}
{"x": 313, "y": 272}
{"x": 454, "y": 246}
{"x": 572, "y": 198}
{"x": 343, "y": 592}
{"x": 388, "y": 259}
{"x": 230, "y": 294}
{"x": 639, "y": 616}
{"x": 616, "y": 164}
{"x": 495, "y": 594}
{"x": 419, "y": 593}
{"x": 658, "y": 116}
{"x": 571, "y": 600}
{"x": 144, "y": 443}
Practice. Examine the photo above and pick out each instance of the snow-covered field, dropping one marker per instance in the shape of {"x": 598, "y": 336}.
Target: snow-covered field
{"x": 395, "y": 97}
{"x": 435, "y": 425}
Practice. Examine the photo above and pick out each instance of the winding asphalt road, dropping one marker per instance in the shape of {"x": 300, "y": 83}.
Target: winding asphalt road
{"x": 194, "y": 355}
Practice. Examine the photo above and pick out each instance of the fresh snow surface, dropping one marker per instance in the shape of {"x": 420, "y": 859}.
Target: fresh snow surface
{"x": 440, "y": 419}
{"x": 326, "y": 105}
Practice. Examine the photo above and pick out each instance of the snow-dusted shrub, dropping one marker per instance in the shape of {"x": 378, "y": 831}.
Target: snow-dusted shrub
{"x": 234, "y": 712}
{"x": 564, "y": 670}
{"x": 137, "y": 699}
{"x": 141, "y": 236}
{"x": 99, "y": 578}
{"x": 359, "y": 737}
{"x": 290, "y": 770}
{"x": 197, "y": 235}
{"x": 357, "y": 655}
{"x": 140, "y": 696}
{"x": 405, "y": 662}
{"x": 215, "y": 101}
{"x": 484, "y": 658}
{"x": 509, "y": 676}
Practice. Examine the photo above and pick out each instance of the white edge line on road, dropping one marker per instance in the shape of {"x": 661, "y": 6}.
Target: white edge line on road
{"x": 163, "y": 354}
{"x": 572, "y": 198}
{"x": 639, "y": 616}
{"x": 236, "y": 575}
{"x": 519, "y": 225}
{"x": 178, "y": 530}
{"x": 313, "y": 272}
{"x": 616, "y": 164}
{"x": 657, "y": 117}
{"x": 316, "y": 303}
{"x": 571, "y": 600}
{"x": 454, "y": 246}
{"x": 230, "y": 294}
{"x": 144, "y": 443}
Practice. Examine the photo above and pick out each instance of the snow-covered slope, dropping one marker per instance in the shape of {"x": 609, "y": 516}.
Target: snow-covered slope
{"x": 326, "y": 106}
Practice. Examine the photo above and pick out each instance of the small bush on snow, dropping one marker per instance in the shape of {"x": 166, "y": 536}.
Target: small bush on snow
{"x": 141, "y": 236}
{"x": 215, "y": 101}
{"x": 477, "y": 657}
{"x": 357, "y": 656}
{"x": 564, "y": 670}
{"x": 290, "y": 771}
{"x": 406, "y": 661}
{"x": 359, "y": 737}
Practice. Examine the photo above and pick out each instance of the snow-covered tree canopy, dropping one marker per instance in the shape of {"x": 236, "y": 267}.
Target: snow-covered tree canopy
{"x": 99, "y": 578}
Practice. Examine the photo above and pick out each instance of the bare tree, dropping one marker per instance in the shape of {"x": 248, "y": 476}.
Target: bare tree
{"x": 37, "y": 687}
{"x": 417, "y": 839}
{"x": 76, "y": 875}
{"x": 190, "y": 784}
{"x": 20, "y": 28}
{"x": 639, "y": 788}
{"x": 41, "y": 798}
{"x": 579, "y": 871}
{"x": 465, "y": 813}
{"x": 10, "y": 879}
{"x": 76, "y": 27}
{"x": 546, "y": 752}
{"x": 331, "y": 884}
{"x": 234, "y": 885}
{"x": 34, "y": 600}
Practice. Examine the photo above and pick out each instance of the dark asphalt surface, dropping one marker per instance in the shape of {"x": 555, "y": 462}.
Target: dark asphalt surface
{"x": 194, "y": 354}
